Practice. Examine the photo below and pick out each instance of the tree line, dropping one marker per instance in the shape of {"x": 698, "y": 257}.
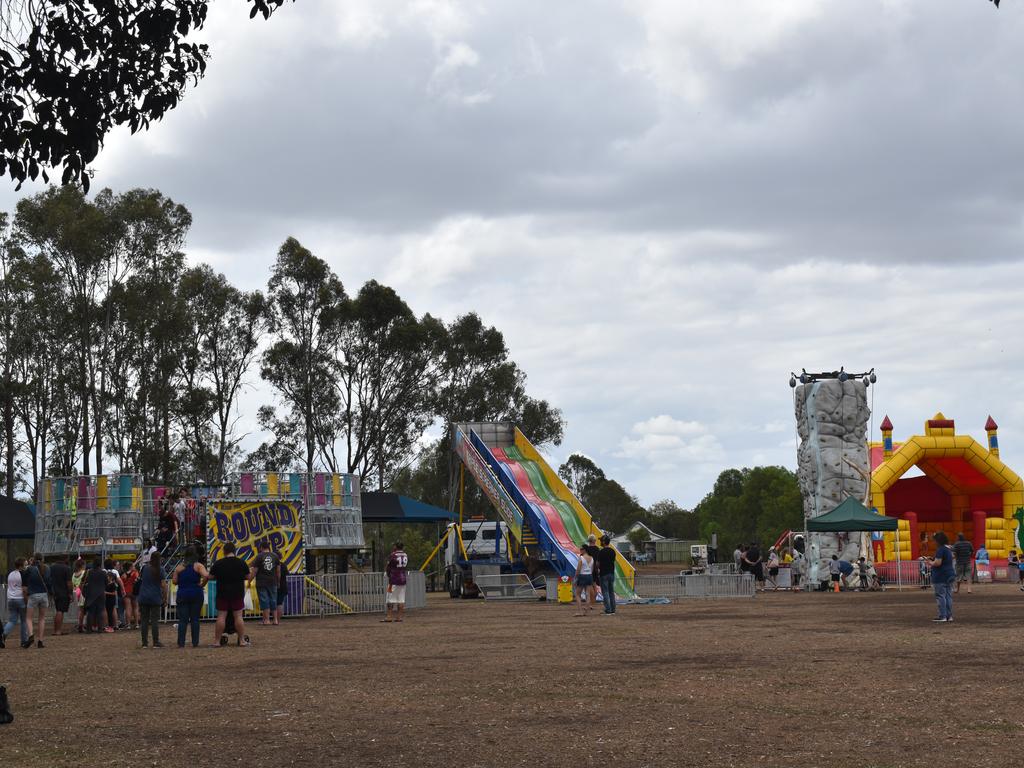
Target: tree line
{"x": 117, "y": 355}
{"x": 745, "y": 505}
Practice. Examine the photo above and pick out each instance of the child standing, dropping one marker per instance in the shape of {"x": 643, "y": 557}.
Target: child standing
{"x": 773, "y": 568}
{"x": 110, "y": 598}
{"x": 834, "y": 572}
{"x": 862, "y": 571}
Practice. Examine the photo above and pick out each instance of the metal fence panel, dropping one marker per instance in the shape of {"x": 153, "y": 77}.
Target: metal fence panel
{"x": 416, "y": 590}
{"x": 709, "y": 585}
{"x": 332, "y": 594}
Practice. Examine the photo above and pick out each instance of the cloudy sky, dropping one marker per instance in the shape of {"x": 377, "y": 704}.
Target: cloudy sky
{"x": 665, "y": 206}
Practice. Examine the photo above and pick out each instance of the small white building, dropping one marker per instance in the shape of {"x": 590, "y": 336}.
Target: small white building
{"x": 625, "y": 546}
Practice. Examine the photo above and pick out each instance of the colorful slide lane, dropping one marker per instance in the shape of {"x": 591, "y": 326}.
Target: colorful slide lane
{"x": 555, "y": 523}
{"x": 559, "y": 516}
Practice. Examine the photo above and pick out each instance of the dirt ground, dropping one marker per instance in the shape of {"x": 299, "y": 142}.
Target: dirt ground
{"x": 783, "y": 679}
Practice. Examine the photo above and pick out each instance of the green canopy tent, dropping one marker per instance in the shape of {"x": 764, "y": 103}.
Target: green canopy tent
{"x": 851, "y": 515}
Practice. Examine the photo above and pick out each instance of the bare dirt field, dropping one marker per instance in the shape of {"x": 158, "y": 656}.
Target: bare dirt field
{"x": 808, "y": 680}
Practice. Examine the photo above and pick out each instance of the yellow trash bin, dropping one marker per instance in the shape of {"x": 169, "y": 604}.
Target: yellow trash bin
{"x": 564, "y": 590}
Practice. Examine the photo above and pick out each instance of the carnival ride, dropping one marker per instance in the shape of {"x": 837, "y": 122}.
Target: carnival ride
{"x": 544, "y": 520}
{"x": 305, "y": 517}
{"x": 111, "y": 515}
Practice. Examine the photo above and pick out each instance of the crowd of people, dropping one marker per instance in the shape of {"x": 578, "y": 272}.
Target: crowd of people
{"x": 110, "y": 595}
{"x": 946, "y": 571}
{"x": 765, "y": 570}
{"x": 180, "y": 519}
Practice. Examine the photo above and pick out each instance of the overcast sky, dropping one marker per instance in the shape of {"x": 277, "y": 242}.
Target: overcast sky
{"x": 665, "y": 206}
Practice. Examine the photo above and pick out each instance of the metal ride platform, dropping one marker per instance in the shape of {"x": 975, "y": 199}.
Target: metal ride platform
{"x": 93, "y": 515}
{"x": 331, "y": 504}
{"x": 111, "y": 515}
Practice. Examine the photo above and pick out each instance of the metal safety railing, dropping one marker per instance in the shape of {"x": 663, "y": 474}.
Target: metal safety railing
{"x": 326, "y": 594}
{"x": 331, "y": 594}
{"x": 705, "y": 585}
{"x": 508, "y": 586}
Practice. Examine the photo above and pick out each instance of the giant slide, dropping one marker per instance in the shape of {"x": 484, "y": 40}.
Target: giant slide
{"x": 532, "y": 497}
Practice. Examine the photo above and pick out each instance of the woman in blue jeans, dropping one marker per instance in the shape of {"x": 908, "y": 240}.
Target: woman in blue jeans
{"x": 17, "y": 597}
{"x": 190, "y": 577}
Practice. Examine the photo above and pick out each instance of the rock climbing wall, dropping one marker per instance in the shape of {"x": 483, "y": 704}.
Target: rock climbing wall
{"x": 832, "y": 419}
{"x": 832, "y": 462}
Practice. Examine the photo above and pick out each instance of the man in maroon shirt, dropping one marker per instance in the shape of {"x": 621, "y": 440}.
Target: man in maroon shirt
{"x": 398, "y": 563}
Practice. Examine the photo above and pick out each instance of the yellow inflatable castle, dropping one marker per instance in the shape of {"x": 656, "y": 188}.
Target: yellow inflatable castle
{"x": 962, "y": 487}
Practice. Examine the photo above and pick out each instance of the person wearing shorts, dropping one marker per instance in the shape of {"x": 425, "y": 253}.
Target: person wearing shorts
{"x": 796, "y": 571}
{"x": 232, "y": 577}
{"x": 36, "y": 580}
{"x": 593, "y": 550}
{"x": 398, "y": 564}
{"x": 834, "y": 572}
{"x": 584, "y": 579}
{"x": 60, "y": 583}
{"x": 752, "y": 559}
{"x": 963, "y": 551}
{"x": 266, "y": 570}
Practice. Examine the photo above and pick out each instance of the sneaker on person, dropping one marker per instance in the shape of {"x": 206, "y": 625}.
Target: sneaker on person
{"x": 108, "y": 629}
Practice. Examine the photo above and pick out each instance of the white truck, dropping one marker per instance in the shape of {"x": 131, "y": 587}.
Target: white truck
{"x": 486, "y": 545}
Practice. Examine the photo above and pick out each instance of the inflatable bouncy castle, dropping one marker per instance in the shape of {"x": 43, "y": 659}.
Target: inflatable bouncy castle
{"x": 962, "y": 486}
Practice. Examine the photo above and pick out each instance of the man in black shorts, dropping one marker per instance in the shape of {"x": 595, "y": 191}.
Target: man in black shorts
{"x": 752, "y": 558}
{"x": 60, "y": 583}
{"x": 232, "y": 577}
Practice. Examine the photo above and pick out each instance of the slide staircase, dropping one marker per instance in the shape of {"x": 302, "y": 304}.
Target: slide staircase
{"x": 539, "y": 509}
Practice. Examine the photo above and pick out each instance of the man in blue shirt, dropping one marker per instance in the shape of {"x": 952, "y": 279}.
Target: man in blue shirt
{"x": 943, "y": 576}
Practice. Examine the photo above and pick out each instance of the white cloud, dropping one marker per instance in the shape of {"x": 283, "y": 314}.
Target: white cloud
{"x": 666, "y": 444}
{"x": 445, "y": 82}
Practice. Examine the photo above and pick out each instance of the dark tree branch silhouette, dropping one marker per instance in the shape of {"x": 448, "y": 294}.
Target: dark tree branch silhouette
{"x": 72, "y": 70}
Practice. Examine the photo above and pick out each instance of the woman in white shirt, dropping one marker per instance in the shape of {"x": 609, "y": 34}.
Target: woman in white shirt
{"x": 584, "y": 579}
{"x": 17, "y": 602}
